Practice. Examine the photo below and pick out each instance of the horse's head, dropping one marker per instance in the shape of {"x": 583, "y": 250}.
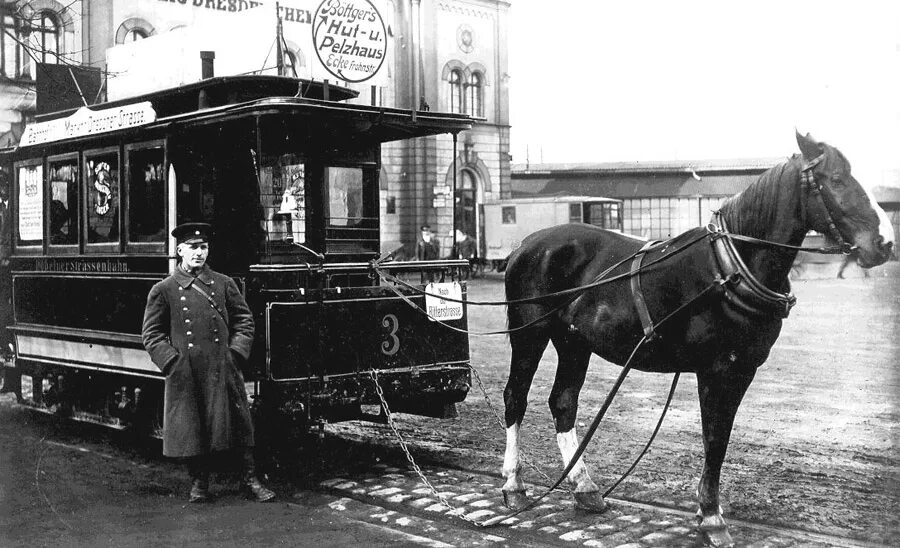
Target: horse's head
{"x": 857, "y": 217}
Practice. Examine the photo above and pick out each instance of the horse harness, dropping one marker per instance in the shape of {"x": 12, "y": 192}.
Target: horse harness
{"x": 743, "y": 290}
{"x": 740, "y": 287}
{"x": 810, "y": 187}
{"x": 639, "y": 301}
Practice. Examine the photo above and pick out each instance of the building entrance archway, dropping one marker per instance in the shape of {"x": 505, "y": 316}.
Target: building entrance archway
{"x": 466, "y": 203}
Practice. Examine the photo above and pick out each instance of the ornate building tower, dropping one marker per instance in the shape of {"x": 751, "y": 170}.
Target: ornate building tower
{"x": 449, "y": 56}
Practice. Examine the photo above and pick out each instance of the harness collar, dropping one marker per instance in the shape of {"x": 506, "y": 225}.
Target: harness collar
{"x": 742, "y": 289}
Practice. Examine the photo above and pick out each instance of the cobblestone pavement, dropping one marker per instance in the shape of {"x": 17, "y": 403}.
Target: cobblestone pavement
{"x": 555, "y": 522}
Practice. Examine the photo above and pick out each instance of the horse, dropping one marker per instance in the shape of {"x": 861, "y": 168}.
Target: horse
{"x": 722, "y": 291}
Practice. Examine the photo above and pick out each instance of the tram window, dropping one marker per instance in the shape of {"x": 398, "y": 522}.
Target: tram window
{"x": 508, "y": 215}
{"x": 611, "y": 216}
{"x": 30, "y": 205}
{"x": 345, "y": 195}
{"x": 102, "y": 197}
{"x": 146, "y": 194}
{"x": 63, "y": 177}
{"x": 282, "y": 195}
{"x": 575, "y": 213}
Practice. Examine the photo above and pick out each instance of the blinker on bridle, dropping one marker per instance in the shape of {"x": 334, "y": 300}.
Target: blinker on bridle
{"x": 809, "y": 187}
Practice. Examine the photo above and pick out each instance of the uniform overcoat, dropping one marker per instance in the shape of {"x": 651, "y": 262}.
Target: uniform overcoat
{"x": 206, "y": 405}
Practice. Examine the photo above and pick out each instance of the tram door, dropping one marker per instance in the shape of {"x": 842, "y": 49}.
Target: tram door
{"x": 5, "y": 249}
{"x": 217, "y": 184}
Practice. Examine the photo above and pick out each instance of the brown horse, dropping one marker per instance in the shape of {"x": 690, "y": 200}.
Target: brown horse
{"x": 728, "y": 295}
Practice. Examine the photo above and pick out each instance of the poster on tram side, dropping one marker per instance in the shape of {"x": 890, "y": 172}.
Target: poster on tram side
{"x": 347, "y": 42}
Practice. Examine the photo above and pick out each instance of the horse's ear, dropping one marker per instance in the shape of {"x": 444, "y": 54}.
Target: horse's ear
{"x": 808, "y": 145}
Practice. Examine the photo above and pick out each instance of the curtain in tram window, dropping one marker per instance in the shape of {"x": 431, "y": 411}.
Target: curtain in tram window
{"x": 103, "y": 195}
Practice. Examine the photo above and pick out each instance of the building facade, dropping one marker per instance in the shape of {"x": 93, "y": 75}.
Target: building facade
{"x": 447, "y": 55}
{"x": 40, "y": 31}
{"x": 659, "y": 199}
{"x": 663, "y": 199}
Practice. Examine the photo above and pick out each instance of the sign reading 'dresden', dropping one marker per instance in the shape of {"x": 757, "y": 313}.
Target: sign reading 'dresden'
{"x": 350, "y": 39}
{"x": 89, "y": 122}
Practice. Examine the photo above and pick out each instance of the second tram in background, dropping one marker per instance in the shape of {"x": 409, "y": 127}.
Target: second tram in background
{"x": 508, "y": 222}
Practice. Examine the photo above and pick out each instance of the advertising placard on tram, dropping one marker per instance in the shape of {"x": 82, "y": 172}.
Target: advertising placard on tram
{"x": 344, "y": 41}
{"x": 86, "y": 121}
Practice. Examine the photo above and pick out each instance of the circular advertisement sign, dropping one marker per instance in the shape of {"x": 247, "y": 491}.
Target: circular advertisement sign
{"x": 350, "y": 39}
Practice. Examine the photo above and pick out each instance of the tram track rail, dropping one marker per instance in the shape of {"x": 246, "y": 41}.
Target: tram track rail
{"x": 396, "y": 489}
{"x": 801, "y": 536}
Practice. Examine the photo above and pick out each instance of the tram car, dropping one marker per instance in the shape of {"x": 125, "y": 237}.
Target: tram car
{"x": 507, "y": 222}
{"x": 287, "y": 173}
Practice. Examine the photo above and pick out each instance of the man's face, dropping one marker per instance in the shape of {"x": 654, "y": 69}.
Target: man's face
{"x": 426, "y": 235}
{"x": 193, "y": 255}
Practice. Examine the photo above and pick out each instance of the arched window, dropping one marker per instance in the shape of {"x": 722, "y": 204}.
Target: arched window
{"x": 466, "y": 202}
{"x": 10, "y": 62}
{"x": 45, "y": 35}
{"x": 134, "y": 29}
{"x": 135, "y": 34}
{"x": 292, "y": 59}
{"x": 456, "y": 91}
{"x": 289, "y": 63}
{"x": 475, "y": 95}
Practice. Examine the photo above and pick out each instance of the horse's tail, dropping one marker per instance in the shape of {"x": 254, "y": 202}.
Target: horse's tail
{"x": 501, "y": 266}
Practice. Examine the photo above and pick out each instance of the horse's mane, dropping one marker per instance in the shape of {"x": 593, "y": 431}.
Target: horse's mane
{"x": 753, "y": 211}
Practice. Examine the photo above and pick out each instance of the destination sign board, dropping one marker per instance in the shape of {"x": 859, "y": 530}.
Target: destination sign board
{"x": 439, "y": 308}
{"x": 89, "y": 122}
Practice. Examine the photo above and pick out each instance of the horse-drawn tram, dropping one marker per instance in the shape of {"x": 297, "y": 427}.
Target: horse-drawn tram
{"x": 287, "y": 173}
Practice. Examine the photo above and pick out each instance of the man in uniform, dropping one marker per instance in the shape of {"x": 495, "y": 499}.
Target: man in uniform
{"x": 198, "y": 330}
{"x": 427, "y": 248}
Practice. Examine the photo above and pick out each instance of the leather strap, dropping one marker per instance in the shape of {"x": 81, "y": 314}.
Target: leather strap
{"x": 639, "y": 302}
{"x": 211, "y": 301}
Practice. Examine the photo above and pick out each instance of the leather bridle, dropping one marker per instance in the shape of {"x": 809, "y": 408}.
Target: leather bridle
{"x": 811, "y": 191}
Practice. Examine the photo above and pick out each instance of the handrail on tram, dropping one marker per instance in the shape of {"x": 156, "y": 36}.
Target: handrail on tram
{"x": 396, "y": 266}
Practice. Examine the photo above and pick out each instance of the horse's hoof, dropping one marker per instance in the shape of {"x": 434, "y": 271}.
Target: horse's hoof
{"x": 720, "y": 538}
{"x": 515, "y": 500}
{"x": 715, "y": 532}
{"x": 590, "y": 501}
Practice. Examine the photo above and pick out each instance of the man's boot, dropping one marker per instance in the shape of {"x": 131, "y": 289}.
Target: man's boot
{"x": 199, "y": 472}
{"x": 251, "y": 485}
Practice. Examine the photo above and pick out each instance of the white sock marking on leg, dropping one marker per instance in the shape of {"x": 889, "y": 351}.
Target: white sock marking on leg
{"x": 579, "y": 476}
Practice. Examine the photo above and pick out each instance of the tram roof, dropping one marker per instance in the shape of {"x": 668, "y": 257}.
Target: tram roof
{"x": 218, "y": 91}
{"x": 235, "y": 97}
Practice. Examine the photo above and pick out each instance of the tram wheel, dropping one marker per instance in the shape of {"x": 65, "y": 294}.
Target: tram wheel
{"x": 280, "y": 439}
{"x": 11, "y": 382}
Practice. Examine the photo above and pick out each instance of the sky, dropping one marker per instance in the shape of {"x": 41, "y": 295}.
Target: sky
{"x": 604, "y": 81}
